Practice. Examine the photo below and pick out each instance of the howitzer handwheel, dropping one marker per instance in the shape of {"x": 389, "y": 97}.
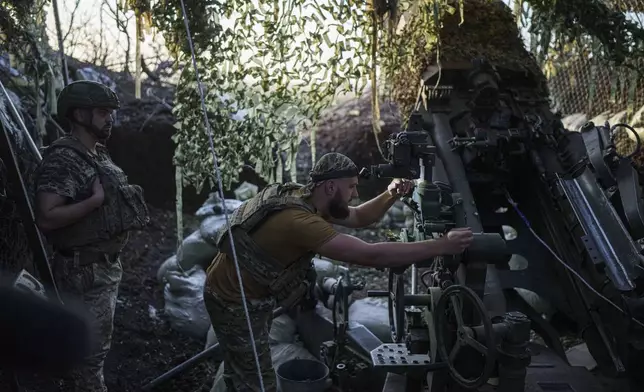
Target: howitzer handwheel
{"x": 397, "y": 298}
{"x": 465, "y": 335}
{"x": 340, "y": 310}
{"x": 343, "y": 289}
{"x": 396, "y": 306}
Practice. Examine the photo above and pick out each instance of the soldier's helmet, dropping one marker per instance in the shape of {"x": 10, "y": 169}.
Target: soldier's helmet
{"x": 86, "y": 94}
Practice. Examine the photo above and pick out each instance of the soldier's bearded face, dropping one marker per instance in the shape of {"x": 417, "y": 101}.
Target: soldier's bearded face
{"x": 102, "y": 121}
{"x": 344, "y": 191}
{"x": 338, "y": 206}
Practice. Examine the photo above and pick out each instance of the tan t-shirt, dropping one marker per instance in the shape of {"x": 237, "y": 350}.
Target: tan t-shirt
{"x": 286, "y": 236}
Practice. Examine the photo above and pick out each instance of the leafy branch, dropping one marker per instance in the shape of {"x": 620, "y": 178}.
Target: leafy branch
{"x": 263, "y": 65}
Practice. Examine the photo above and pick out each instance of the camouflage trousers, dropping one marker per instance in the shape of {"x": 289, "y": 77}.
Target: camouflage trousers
{"x": 95, "y": 286}
{"x": 231, "y": 328}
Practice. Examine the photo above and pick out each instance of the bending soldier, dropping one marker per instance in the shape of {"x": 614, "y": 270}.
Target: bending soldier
{"x": 85, "y": 207}
{"x": 276, "y": 234}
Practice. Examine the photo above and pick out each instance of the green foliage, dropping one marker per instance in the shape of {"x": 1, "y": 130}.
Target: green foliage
{"x": 12, "y": 14}
{"x": 264, "y": 57}
{"x": 22, "y": 33}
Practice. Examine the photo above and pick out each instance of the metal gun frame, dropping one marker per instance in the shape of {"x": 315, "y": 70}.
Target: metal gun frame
{"x": 487, "y": 152}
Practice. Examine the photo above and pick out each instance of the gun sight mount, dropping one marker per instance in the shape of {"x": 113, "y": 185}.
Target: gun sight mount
{"x": 410, "y": 156}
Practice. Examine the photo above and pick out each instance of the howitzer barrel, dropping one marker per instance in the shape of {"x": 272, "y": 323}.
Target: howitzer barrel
{"x": 490, "y": 247}
{"x": 468, "y": 217}
{"x": 453, "y": 165}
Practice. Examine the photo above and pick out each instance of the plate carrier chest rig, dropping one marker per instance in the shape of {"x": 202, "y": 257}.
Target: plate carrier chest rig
{"x": 123, "y": 208}
{"x": 266, "y": 270}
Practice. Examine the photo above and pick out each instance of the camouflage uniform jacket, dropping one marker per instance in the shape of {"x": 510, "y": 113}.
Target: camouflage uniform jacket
{"x": 264, "y": 268}
{"x": 123, "y": 208}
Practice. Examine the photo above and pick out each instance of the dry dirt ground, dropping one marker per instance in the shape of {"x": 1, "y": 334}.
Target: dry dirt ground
{"x": 144, "y": 347}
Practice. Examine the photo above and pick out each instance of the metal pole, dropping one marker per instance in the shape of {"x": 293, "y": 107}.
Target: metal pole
{"x": 183, "y": 367}
{"x": 63, "y": 59}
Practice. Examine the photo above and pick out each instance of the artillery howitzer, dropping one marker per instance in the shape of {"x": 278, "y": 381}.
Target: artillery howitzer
{"x": 487, "y": 152}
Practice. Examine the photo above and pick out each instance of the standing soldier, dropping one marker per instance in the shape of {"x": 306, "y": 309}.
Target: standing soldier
{"x": 276, "y": 234}
{"x": 85, "y": 207}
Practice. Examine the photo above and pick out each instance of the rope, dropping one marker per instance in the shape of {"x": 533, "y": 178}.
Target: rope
{"x": 221, "y": 193}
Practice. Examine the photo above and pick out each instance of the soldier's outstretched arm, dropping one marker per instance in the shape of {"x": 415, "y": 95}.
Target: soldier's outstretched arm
{"x": 353, "y": 250}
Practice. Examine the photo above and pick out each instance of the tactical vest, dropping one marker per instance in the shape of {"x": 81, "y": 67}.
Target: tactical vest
{"x": 265, "y": 269}
{"x": 123, "y": 208}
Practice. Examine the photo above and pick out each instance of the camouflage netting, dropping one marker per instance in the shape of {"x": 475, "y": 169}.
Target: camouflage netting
{"x": 584, "y": 86}
{"x": 488, "y": 29}
{"x": 627, "y": 5}
{"x": 603, "y": 91}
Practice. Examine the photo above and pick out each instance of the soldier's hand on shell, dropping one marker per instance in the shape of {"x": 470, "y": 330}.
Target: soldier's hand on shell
{"x": 457, "y": 240}
{"x": 98, "y": 192}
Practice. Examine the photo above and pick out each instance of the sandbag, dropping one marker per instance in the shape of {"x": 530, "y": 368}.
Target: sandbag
{"x": 283, "y": 330}
{"x": 214, "y": 206}
{"x": 169, "y": 265}
{"x": 374, "y": 315}
{"x": 246, "y": 191}
{"x": 325, "y": 269}
{"x": 184, "y": 303}
{"x": 210, "y": 226}
{"x": 195, "y": 251}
